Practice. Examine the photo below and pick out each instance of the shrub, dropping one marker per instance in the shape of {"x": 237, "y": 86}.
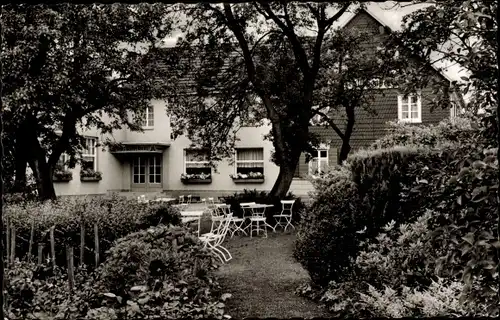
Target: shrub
{"x": 456, "y": 130}
{"x": 396, "y": 277}
{"x": 326, "y": 239}
{"x": 398, "y": 256}
{"x": 376, "y": 187}
{"x": 147, "y": 275}
{"x": 440, "y": 300}
{"x": 40, "y": 292}
{"x": 355, "y": 201}
{"x": 115, "y": 217}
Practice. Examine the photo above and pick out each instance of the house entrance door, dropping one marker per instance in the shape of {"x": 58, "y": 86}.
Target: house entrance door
{"x": 147, "y": 173}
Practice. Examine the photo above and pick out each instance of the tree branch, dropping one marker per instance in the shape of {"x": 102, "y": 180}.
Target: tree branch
{"x": 336, "y": 16}
{"x": 330, "y": 123}
{"x": 298, "y": 50}
{"x": 314, "y": 11}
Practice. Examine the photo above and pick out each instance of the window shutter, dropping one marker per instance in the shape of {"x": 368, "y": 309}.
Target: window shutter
{"x": 332, "y": 156}
{"x": 302, "y": 167}
{"x": 400, "y": 107}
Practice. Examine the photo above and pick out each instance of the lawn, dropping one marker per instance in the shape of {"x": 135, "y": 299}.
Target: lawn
{"x": 262, "y": 278}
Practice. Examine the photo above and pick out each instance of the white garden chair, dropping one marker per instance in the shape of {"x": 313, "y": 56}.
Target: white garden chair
{"x": 213, "y": 240}
{"x": 284, "y": 219}
{"x": 217, "y": 215}
{"x": 258, "y": 222}
{"x": 236, "y": 224}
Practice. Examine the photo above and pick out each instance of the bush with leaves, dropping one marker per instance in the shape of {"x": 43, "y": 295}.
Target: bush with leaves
{"x": 114, "y": 216}
{"x": 457, "y": 243}
{"x": 396, "y": 276}
{"x": 159, "y": 273}
{"x": 354, "y": 202}
{"x": 162, "y": 272}
{"x": 41, "y": 292}
{"x": 326, "y": 239}
{"x": 455, "y": 130}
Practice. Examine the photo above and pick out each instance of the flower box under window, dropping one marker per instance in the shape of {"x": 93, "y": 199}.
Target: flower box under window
{"x": 90, "y": 175}
{"x": 251, "y": 177}
{"x": 62, "y": 176}
{"x": 249, "y": 165}
{"x": 197, "y": 167}
{"x": 200, "y": 178}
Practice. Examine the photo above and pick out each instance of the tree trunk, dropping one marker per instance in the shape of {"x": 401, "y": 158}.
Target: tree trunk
{"x": 2, "y": 238}
{"x": 346, "y": 147}
{"x": 42, "y": 171}
{"x": 344, "y": 151}
{"x": 20, "y": 175}
{"x": 285, "y": 177}
{"x": 20, "y": 163}
{"x": 43, "y": 177}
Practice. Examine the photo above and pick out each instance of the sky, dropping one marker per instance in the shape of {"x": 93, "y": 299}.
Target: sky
{"x": 390, "y": 13}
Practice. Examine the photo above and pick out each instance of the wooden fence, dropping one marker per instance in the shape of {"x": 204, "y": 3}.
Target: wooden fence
{"x": 12, "y": 237}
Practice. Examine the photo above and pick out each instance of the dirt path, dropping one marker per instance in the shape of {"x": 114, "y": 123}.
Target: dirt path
{"x": 262, "y": 278}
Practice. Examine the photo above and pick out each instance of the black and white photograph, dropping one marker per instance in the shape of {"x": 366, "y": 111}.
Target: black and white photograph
{"x": 249, "y": 159}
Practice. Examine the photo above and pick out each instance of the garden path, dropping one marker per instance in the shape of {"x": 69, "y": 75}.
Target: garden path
{"x": 262, "y": 278}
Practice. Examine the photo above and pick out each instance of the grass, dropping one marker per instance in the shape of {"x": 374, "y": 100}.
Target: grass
{"x": 262, "y": 278}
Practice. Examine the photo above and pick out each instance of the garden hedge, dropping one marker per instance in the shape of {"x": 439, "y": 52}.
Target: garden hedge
{"x": 115, "y": 217}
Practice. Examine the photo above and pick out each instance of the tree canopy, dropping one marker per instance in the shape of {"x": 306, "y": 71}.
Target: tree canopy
{"x": 284, "y": 63}
{"x": 68, "y": 67}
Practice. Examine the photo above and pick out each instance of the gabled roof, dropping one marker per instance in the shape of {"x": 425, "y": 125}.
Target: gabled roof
{"x": 387, "y": 27}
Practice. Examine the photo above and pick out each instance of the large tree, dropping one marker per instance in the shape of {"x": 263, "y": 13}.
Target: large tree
{"x": 68, "y": 67}
{"x": 352, "y": 74}
{"x": 260, "y": 61}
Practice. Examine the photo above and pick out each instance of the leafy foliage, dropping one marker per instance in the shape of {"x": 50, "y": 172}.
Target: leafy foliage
{"x": 90, "y": 174}
{"x": 74, "y": 67}
{"x": 445, "y": 262}
{"x": 453, "y": 130}
{"x": 159, "y": 272}
{"x": 146, "y": 276}
{"x": 396, "y": 277}
{"x": 327, "y": 234}
{"x": 115, "y": 218}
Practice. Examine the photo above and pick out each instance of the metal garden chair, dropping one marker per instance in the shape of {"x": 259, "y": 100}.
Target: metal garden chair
{"x": 285, "y": 217}
{"x": 214, "y": 240}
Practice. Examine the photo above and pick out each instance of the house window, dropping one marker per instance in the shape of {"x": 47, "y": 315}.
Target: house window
{"x": 319, "y": 162}
{"x": 139, "y": 170}
{"x": 154, "y": 170}
{"x": 196, "y": 162}
{"x": 89, "y": 154}
{"x": 149, "y": 118}
{"x": 250, "y": 160}
{"x": 410, "y": 108}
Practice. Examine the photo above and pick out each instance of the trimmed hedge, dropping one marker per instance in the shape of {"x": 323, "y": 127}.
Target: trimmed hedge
{"x": 353, "y": 204}
{"x": 114, "y": 216}
{"x": 444, "y": 264}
